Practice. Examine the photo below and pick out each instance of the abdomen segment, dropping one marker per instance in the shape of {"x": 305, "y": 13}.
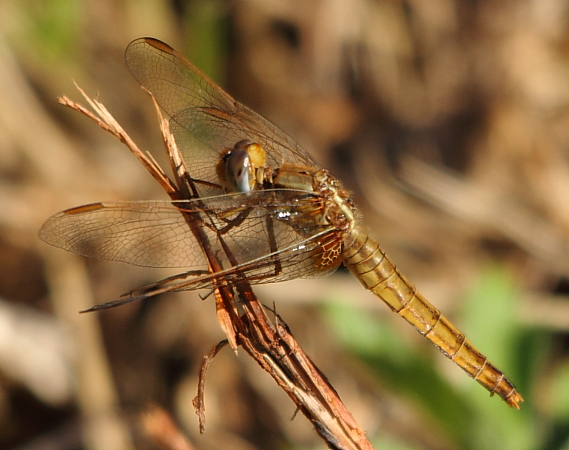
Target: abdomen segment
{"x": 365, "y": 259}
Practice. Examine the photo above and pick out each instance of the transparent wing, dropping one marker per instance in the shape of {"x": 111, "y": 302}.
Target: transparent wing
{"x": 256, "y": 229}
{"x": 301, "y": 260}
{"x": 205, "y": 119}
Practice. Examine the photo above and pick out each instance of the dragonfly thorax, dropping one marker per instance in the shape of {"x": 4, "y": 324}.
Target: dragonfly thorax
{"x": 243, "y": 169}
{"x": 336, "y": 207}
{"x": 340, "y": 207}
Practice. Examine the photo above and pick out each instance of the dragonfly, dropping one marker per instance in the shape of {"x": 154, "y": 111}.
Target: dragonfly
{"x": 266, "y": 211}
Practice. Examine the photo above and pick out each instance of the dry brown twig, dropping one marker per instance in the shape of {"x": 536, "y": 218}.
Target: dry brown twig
{"x": 269, "y": 343}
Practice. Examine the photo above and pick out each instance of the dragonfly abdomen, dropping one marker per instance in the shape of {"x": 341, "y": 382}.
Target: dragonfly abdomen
{"x": 368, "y": 262}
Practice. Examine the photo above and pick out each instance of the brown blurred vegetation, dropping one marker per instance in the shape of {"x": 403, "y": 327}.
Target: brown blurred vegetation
{"x": 448, "y": 120}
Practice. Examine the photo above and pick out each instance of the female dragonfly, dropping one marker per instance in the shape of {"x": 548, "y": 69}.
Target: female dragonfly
{"x": 266, "y": 210}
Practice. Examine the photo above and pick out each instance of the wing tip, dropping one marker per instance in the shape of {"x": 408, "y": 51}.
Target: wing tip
{"x": 112, "y": 304}
{"x": 153, "y": 42}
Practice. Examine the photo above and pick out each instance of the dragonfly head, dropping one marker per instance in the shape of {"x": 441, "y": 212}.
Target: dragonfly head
{"x": 241, "y": 167}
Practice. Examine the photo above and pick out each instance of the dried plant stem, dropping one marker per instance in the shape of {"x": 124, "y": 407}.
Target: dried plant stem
{"x": 270, "y": 344}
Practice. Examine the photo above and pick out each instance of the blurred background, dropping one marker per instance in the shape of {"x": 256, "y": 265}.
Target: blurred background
{"x": 449, "y": 122}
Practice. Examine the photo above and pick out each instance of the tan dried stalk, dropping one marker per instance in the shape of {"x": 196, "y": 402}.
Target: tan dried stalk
{"x": 269, "y": 343}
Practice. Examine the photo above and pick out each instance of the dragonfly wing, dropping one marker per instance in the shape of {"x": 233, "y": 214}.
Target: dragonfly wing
{"x": 299, "y": 260}
{"x": 296, "y": 261}
{"x": 175, "y": 82}
{"x": 151, "y": 234}
{"x": 236, "y": 229}
{"x": 205, "y": 119}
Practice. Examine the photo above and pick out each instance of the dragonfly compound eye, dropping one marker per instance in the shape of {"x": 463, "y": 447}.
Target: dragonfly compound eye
{"x": 242, "y": 167}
